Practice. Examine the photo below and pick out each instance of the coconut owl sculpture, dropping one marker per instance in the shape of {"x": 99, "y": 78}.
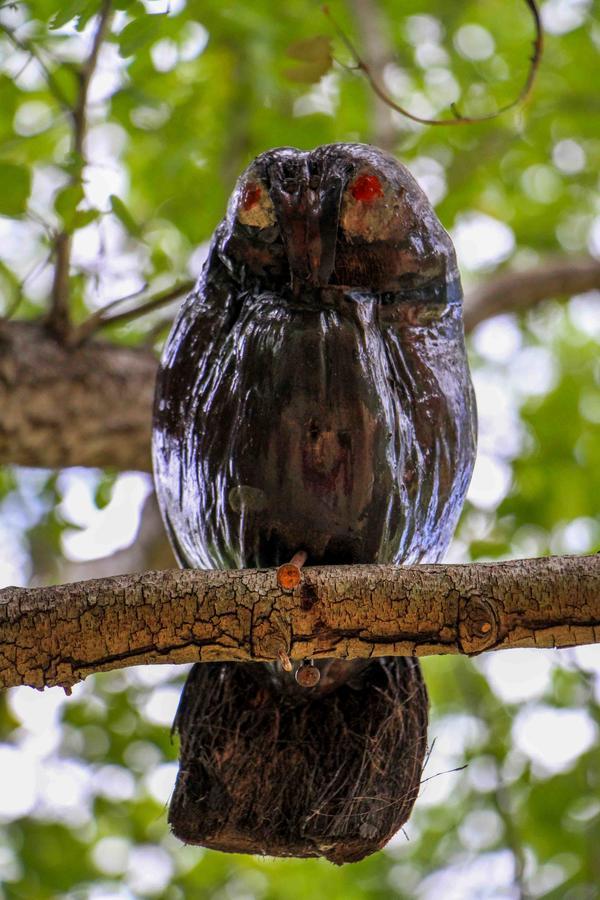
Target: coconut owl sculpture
{"x": 314, "y": 395}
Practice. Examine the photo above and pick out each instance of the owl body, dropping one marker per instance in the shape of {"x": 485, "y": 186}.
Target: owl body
{"x": 314, "y": 392}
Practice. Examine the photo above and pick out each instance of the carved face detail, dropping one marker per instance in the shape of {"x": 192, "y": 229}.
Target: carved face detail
{"x": 345, "y": 215}
{"x": 314, "y": 391}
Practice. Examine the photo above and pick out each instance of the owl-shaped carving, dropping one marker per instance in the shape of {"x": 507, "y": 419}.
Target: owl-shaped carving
{"x": 314, "y": 392}
{"x": 313, "y": 395}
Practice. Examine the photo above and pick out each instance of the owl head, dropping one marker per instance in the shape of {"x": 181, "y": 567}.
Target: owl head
{"x": 343, "y": 215}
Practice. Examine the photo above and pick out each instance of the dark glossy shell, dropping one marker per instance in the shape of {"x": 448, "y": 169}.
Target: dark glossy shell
{"x": 298, "y": 413}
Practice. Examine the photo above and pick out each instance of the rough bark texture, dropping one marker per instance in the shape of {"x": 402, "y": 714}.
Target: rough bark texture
{"x": 59, "y": 635}
{"x": 61, "y": 406}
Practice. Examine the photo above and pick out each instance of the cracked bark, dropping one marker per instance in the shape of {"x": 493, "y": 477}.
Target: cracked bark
{"x": 59, "y": 635}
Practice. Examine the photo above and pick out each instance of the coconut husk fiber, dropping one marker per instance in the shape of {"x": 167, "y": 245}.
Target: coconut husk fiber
{"x": 270, "y": 768}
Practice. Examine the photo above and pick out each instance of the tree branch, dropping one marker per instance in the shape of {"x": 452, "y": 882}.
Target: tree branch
{"x": 514, "y": 291}
{"x": 102, "y": 317}
{"x": 64, "y": 406}
{"x": 457, "y": 117}
{"x": 59, "y": 635}
{"x": 34, "y": 52}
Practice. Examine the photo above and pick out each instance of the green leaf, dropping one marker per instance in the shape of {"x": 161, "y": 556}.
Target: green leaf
{"x": 104, "y": 489}
{"x": 11, "y": 297}
{"x": 66, "y": 203}
{"x": 86, "y": 14}
{"x": 73, "y": 165}
{"x": 314, "y": 56}
{"x": 66, "y": 78}
{"x": 69, "y": 11}
{"x": 15, "y": 185}
{"x": 139, "y": 33}
{"x": 83, "y": 217}
{"x": 124, "y": 216}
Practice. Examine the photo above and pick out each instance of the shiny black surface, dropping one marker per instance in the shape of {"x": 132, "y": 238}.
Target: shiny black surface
{"x": 314, "y": 392}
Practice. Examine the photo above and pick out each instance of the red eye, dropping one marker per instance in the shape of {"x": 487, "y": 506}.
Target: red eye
{"x": 251, "y": 195}
{"x": 366, "y": 188}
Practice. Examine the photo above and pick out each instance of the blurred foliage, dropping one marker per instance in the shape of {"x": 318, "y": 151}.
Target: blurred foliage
{"x": 186, "y": 93}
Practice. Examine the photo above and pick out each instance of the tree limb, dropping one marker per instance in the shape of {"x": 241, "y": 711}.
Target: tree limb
{"x": 457, "y": 118}
{"x": 64, "y": 406}
{"x": 59, "y": 635}
{"x": 516, "y": 291}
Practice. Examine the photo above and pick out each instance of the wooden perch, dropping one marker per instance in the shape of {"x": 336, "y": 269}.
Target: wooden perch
{"x": 59, "y": 635}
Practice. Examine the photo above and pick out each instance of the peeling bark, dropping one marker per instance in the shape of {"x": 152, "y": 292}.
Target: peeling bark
{"x": 59, "y": 635}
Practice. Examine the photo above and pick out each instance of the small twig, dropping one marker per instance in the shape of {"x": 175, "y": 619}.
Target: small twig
{"x": 428, "y": 754}
{"x": 153, "y": 334}
{"x": 101, "y": 313}
{"x": 445, "y": 772}
{"x": 285, "y": 661}
{"x": 30, "y": 48}
{"x": 35, "y": 270}
{"x": 85, "y": 77}
{"x": 458, "y": 118}
{"x": 288, "y": 575}
{"x": 58, "y": 318}
{"x": 100, "y": 319}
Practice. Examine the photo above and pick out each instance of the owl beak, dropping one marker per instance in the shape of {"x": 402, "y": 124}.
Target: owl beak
{"x": 308, "y": 220}
{"x": 322, "y": 230}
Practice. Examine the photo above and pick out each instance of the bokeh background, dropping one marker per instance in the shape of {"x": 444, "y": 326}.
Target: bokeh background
{"x": 184, "y": 95}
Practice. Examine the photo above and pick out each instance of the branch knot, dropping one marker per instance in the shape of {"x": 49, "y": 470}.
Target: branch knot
{"x": 477, "y": 625}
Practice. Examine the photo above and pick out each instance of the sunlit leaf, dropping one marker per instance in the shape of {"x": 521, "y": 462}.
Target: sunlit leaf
{"x": 124, "y": 216}
{"x": 69, "y": 10}
{"x": 138, "y": 33}
{"x": 66, "y": 203}
{"x": 15, "y": 185}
